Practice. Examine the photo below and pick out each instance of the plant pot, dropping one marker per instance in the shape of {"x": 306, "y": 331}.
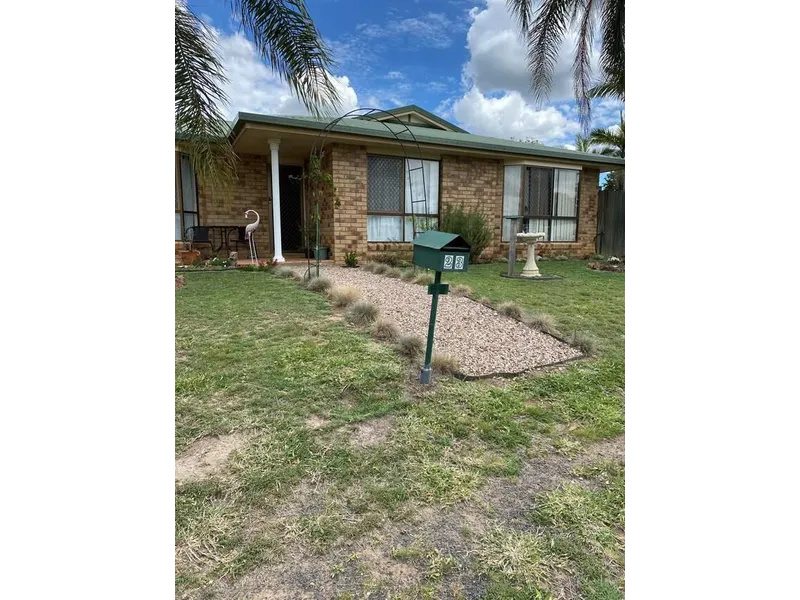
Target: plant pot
{"x": 188, "y": 258}
{"x": 321, "y": 253}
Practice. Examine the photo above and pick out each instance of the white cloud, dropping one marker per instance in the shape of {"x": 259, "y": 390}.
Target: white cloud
{"x": 498, "y": 55}
{"x": 253, "y": 87}
{"x": 510, "y": 115}
{"x": 498, "y": 101}
{"x": 394, "y": 75}
{"x": 433, "y": 30}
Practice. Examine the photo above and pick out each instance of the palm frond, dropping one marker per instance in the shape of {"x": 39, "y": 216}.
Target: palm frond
{"x": 583, "y": 144}
{"x": 544, "y": 38}
{"x": 286, "y": 37}
{"x": 199, "y": 100}
{"x": 612, "y": 53}
{"x": 612, "y": 140}
{"x": 581, "y": 65}
{"x": 612, "y": 87}
{"x": 522, "y": 11}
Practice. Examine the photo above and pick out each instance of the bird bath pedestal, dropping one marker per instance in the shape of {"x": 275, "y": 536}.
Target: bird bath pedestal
{"x": 531, "y": 269}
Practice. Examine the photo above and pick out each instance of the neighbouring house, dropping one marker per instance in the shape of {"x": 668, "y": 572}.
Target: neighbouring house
{"x": 553, "y": 189}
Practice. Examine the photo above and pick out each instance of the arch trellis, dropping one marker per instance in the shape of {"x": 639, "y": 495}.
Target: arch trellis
{"x": 373, "y": 114}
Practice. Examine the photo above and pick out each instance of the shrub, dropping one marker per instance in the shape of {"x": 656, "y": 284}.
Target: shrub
{"x": 583, "y": 342}
{"x": 461, "y": 290}
{"x": 444, "y": 364}
{"x": 470, "y": 225}
{"x": 510, "y": 309}
{"x": 410, "y": 346}
{"x": 424, "y": 279}
{"x": 541, "y": 322}
{"x": 485, "y": 301}
{"x": 503, "y": 260}
{"x": 385, "y": 330}
{"x": 380, "y": 268}
{"x": 286, "y": 272}
{"x": 343, "y": 295}
{"x": 561, "y": 257}
{"x": 319, "y": 284}
{"x": 393, "y": 273}
{"x": 369, "y": 266}
{"x": 362, "y": 313}
{"x": 408, "y": 275}
{"x": 393, "y": 258}
{"x": 350, "y": 259}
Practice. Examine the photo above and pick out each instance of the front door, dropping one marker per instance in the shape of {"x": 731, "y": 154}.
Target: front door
{"x": 291, "y": 207}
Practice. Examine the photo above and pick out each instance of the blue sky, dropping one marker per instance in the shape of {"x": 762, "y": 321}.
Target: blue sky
{"x": 459, "y": 59}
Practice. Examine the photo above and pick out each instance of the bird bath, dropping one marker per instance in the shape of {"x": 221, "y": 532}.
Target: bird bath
{"x": 531, "y": 269}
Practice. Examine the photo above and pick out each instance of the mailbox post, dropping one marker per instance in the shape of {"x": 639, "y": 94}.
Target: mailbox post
{"x": 439, "y": 251}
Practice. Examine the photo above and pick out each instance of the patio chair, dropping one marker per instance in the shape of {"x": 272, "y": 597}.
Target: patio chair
{"x": 199, "y": 235}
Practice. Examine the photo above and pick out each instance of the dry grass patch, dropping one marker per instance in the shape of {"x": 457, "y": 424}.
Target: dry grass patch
{"x": 583, "y": 342}
{"x": 207, "y": 456}
{"x": 411, "y": 346}
{"x": 380, "y": 268}
{"x": 510, "y": 309}
{"x": 319, "y": 284}
{"x": 541, "y": 322}
{"x": 286, "y": 273}
{"x": 369, "y": 266}
{"x": 362, "y": 313}
{"x": 408, "y": 275}
{"x": 461, "y": 290}
{"x": 521, "y": 556}
{"x": 344, "y": 295}
{"x": 424, "y": 279}
{"x": 393, "y": 273}
{"x": 385, "y": 331}
{"x": 445, "y": 364}
{"x": 371, "y": 433}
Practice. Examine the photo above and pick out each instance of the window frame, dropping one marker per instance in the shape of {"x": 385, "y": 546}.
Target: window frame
{"x": 179, "y": 195}
{"x": 552, "y": 203}
{"x": 402, "y": 214}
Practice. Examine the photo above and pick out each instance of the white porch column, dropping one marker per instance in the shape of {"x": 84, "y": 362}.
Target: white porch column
{"x": 276, "y": 202}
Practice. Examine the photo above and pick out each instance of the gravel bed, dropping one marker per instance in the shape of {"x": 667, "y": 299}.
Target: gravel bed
{"x": 484, "y": 341}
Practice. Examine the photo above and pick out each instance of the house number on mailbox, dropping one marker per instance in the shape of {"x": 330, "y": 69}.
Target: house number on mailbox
{"x": 448, "y": 261}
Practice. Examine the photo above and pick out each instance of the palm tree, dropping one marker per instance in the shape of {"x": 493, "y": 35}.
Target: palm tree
{"x": 544, "y": 30}
{"x": 284, "y": 35}
{"x": 612, "y": 139}
{"x": 582, "y": 144}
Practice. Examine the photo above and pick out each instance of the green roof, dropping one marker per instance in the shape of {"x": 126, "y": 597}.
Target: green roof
{"x": 439, "y": 240}
{"x": 427, "y": 135}
{"x": 429, "y": 115}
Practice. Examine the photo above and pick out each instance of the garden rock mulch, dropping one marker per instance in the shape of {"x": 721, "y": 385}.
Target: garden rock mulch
{"x": 484, "y": 341}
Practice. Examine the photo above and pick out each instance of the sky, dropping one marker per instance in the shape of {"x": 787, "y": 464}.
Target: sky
{"x": 460, "y": 59}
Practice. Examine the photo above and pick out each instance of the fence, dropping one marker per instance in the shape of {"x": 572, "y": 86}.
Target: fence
{"x": 611, "y": 223}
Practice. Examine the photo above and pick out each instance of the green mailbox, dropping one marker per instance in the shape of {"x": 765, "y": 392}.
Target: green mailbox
{"x": 441, "y": 251}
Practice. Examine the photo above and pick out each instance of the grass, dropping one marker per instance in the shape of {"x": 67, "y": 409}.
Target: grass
{"x": 319, "y": 284}
{"x": 261, "y": 354}
{"x": 444, "y": 364}
{"x": 411, "y": 346}
{"x": 541, "y": 322}
{"x": 385, "y": 331}
{"x": 362, "y": 313}
{"x": 510, "y": 309}
{"x": 343, "y": 296}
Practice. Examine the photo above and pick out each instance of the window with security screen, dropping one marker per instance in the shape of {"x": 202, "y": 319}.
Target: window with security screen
{"x": 546, "y": 198}
{"x": 392, "y": 184}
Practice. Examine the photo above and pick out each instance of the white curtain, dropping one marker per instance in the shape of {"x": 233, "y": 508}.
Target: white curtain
{"x": 565, "y": 202}
{"x": 178, "y": 233}
{"x": 422, "y": 185}
{"x": 384, "y": 229}
{"x": 189, "y": 191}
{"x": 511, "y": 193}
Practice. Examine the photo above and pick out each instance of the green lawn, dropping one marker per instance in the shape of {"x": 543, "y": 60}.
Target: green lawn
{"x": 350, "y": 479}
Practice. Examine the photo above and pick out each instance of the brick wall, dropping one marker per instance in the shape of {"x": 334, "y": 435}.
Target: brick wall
{"x": 349, "y": 164}
{"x": 477, "y": 183}
{"x": 251, "y": 191}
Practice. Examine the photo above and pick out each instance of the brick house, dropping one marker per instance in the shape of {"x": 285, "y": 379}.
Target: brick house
{"x": 555, "y": 190}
